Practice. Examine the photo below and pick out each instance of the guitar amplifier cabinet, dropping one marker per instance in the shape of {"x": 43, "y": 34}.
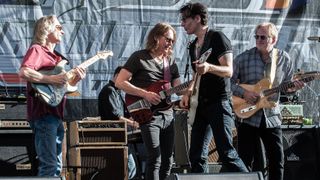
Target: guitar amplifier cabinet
{"x": 98, "y": 133}
{"x": 291, "y": 113}
{"x": 99, "y": 163}
{"x": 12, "y": 110}
{"x": 301, "y": 145}
{"x": 17, "y": 153}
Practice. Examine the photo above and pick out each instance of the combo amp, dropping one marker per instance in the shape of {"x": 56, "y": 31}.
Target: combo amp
{"x": 291, "y": 113}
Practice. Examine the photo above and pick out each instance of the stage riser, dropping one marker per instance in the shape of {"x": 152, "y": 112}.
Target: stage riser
{"x": 221, "y": 176}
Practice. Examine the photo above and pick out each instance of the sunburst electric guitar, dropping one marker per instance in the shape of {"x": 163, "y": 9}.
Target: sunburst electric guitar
{"x": 245, "y": 110}
{"x": 193, "y": 101}
{"x": 52, "y": 94}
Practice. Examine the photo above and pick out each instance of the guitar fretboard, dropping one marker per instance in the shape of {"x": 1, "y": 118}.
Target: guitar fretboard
{"x": 285, "y": 86}
{"x": 178, "y": 88}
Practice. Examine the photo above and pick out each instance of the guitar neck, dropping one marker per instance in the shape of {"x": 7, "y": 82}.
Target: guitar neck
{"x": 285, "y": 86}
{"x": 89, "y": 62}
{"x": 84, "y": 65}
{"x": 178, "y": 88}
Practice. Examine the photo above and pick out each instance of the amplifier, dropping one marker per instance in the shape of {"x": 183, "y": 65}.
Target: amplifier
{"x": 98, "y": 133}
{"x": 17, "y": 153}
{"x": 291, "y": 109}
{"x": 99, "y": 163}
{"x": 291, "y": 113}
{"x": 14, "y": 124}
{"x": 13, "y": 110}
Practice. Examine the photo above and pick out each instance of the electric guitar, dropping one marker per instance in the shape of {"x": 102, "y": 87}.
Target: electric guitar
{"x": 52, "y": 94}
{"x": 193, "y": 101}
{"x": 245, "y": 110}
{"x": 142, "y": 111}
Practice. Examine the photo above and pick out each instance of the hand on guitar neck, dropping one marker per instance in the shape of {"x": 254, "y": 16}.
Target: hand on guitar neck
{"x": 76, "y": 75}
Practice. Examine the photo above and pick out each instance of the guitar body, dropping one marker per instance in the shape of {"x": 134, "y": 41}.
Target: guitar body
{"x": 51, "y": 94}
{"x": 245, "y": 110}
{"x": 144, "y": 113}
{"x": 193, "y": 102}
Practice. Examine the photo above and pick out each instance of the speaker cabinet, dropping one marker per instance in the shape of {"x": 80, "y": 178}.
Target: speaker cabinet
{"x": 30, "y": 178}
{"x": 301, "y": 150}
{"x": 219, "y": 176}
{"x": 99, "y": 163}
{"x": 181, "y": 138}
{"x": 12, "y": 110}
{"x": 17, "y": 153}
{"x": 182, "y": 141}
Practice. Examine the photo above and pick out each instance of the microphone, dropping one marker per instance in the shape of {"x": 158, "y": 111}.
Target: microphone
{"x": 314, "y": 38}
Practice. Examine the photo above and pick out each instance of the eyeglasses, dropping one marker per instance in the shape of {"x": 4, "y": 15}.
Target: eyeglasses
{"x": 262, "y": 37}
{"x": 169, "y": 40}
{"x": 59, "y": 27}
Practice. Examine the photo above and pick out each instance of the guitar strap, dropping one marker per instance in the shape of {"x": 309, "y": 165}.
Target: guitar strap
{"x": 166, "y": 72}
{"x": 274, "y": 61}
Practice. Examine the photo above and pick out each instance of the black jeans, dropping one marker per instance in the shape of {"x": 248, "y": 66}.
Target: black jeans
{"x": 249, "y": 137}
{"x": 158, "y": 138}
{"x": 219, "y": 117}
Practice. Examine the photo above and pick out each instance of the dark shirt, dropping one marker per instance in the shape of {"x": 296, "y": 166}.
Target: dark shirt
{"x": 145, "y": 71}
{"x": 110, "y": 103}
{"x": 212, "y": 87}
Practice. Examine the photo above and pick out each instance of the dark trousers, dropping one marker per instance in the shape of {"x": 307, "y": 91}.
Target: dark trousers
{"x": 158, "y": 138}
{"x": 214, "y": 119}
{"x": 249, "y": 137}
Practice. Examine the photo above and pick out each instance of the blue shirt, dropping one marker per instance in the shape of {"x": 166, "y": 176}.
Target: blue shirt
{"x": 249, "y": 68}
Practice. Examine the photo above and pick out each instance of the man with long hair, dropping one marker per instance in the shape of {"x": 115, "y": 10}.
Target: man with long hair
{"x": 46, "y": 120}
{"x": 144, "y": 68}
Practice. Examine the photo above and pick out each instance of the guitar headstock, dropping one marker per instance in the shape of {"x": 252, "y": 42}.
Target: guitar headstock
{"x": 205, "y": 56}
{"x": 104, "y": 54}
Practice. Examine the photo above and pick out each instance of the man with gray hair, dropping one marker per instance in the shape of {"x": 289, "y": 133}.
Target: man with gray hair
{"x": 261, "y": 66}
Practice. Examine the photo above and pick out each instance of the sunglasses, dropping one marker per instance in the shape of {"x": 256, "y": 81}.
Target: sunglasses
{"x": 59, "y": 27}
{"x": 169, "y": 40}
{"x": 262, "y": 37}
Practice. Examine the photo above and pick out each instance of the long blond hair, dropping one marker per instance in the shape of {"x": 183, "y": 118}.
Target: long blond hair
{"x": 43, "y": 27}
{"x": 157, "y": 31}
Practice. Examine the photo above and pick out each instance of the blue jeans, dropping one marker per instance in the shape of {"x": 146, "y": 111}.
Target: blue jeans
{"x": 214, "y": 119}
{"x": 158, "y": 138}
{"x": 131, "y": 163}
{"x": 49, "y": 133}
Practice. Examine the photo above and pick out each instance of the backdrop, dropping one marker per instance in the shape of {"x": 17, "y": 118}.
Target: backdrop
{"x": 122, "y": 25}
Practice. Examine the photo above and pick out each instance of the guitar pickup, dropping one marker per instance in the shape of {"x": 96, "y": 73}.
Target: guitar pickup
{"x": 250, "y": 108}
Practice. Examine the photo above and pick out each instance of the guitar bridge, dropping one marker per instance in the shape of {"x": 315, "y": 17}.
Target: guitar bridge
{"x": 250, "y": 108}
